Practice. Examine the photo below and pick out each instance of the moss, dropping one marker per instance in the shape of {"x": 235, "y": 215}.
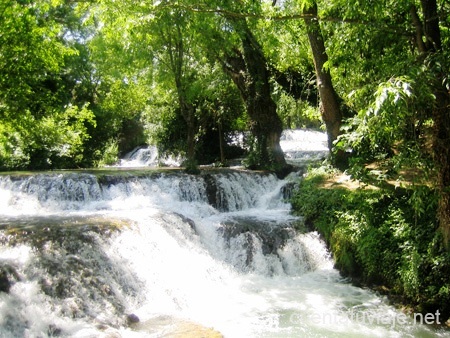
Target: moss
{"x": 381, "y": 237}
{"x": 38, "y": 231}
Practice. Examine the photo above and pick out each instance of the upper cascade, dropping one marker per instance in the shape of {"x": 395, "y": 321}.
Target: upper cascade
{"x": 148, "y": 156}
{"x": 299, "y": 146}
{"x": 303, "y": 145}
{"x": 52, "y": 192}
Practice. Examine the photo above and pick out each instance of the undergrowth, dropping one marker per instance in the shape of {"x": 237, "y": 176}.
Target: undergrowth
{"x": 379, "y": 237}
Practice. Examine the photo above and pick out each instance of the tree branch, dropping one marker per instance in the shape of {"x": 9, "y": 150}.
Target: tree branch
{"x": 298, "y": 16}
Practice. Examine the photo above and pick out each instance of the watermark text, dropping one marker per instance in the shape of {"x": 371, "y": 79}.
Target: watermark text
{"x": 367, "y": 318}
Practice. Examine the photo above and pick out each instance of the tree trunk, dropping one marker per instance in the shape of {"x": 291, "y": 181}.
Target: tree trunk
{"x": 418, "y": 39}
{"x": 174, "y": 40}
{"x": 330, "y": 106}
{"x": 441, "y": 151}
{"x": 221, "y": 143}
{"x": 440, "y": 114}
{"x": 187, "y": 111}
{"x": 249, "y": 71}
{"x": 191, "y": 131}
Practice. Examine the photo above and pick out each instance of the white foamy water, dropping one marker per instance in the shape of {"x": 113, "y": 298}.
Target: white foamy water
{"x": 303, "y": 145}
{"x": 217, "y": 249}
{"x": 148, "y": 157}
{"x": 298, "y": 145}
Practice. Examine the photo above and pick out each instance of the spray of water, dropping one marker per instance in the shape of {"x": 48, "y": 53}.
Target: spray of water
{"x": 148, "y": 254}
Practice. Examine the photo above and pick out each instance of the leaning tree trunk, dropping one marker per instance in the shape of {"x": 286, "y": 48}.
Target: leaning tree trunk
{"x": 440, "y": 113}
{"x": 330, "y": 107}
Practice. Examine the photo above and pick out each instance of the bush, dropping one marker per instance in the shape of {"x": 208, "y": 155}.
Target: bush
{"x": 381, "y": 237}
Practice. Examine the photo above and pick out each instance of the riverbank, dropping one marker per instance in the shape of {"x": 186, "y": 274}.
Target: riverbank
{"x": 382, "y": 237}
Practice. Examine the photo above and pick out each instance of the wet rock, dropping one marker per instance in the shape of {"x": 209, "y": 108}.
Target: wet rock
{"x": 186, "y": 220}
{"x": 132, "y": 319}
{"x": 5, "y": 285}
{"x": 54, "y": 331}
{"x": 175, "y": 328}
{"x": 212, "y": 191}
{"x": 273, "y": 236}
{"x": 284, "y": 170}
{"x": 249, "y": 248}
{"x": 186, "y": 329}
{"x": 8, "y": 274}
{"x": 288, "y": 190}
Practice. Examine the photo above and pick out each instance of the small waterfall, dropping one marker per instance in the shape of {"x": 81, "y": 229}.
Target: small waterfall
{"x": 227, "y": 191}
{"x": 149, "y": 253}
{"x": 303, "y": 145}
{"x": 42, "y": 193}
{"x": 298, "y": 145}
{"x": 148, "y": 157}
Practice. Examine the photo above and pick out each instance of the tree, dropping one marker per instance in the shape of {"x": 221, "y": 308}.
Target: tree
{"x": 249, "y": 71}
{"x": 159, "y": 48}
{"x": 243, "y": 59}
{"x": 436, "y": 59}
{"x": 330, "y": 109}
{"x": 399, "y": 53}
{"x": 155, "y": 46}
{"x": 174, "y": 34}
{"x": 330, "y": 101}
{"x": 43, "y": 123}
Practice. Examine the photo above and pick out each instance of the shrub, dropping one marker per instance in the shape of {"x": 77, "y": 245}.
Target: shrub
{"x": 381, "y": 237}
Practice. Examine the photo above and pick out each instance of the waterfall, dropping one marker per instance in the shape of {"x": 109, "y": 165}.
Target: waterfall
{"x": 162, "y": 253}
{"x": 148, "y": 156}
{"x": 299, "y": 146}
{"x": 303, "y": 145}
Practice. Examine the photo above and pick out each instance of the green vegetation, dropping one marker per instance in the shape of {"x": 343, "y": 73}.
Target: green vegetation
{"x": 83, "y": 82}
{"x": 385, "y": 237}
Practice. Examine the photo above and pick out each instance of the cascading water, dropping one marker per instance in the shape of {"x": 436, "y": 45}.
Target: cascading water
{"x": 148, "y": 157}
{"x": 299, "y": 146}
{"x": 302, "y": 145}
{"x": 147, "y": 254}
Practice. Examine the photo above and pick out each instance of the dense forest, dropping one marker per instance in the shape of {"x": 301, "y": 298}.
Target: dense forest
{"x": 83, "y": 82}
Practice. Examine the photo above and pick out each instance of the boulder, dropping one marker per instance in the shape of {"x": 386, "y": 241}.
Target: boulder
{"x": 8, "y": 274}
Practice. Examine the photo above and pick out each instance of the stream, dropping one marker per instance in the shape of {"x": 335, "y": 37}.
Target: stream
{"x": 148, "y": 252}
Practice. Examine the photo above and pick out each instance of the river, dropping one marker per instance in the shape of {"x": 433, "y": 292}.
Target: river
{"x": 160, "y": 253}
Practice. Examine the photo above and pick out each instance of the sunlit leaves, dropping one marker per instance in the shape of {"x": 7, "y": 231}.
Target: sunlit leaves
{"x": 29, "y": 51}
{"x": 391, "y": 92}
{"x": 44, "y": 85}
{"x": 394, "y": 127}
{"x": 130, "y": 68}
{"x": 38, "y": 142}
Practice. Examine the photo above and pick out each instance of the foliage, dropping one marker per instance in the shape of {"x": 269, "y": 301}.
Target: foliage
{"x": 50, "y": 141}
{"x": 110, "y": 154}
{"x": 377, "y": 236}
{"x": 47, "y": 97}
{"x": 82, "y": 82}
{"x": 117, "y": 60}
{"x": 394, "y": 128}
{"x": 297, "y": 113}
{"x": 160, "y": 49}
